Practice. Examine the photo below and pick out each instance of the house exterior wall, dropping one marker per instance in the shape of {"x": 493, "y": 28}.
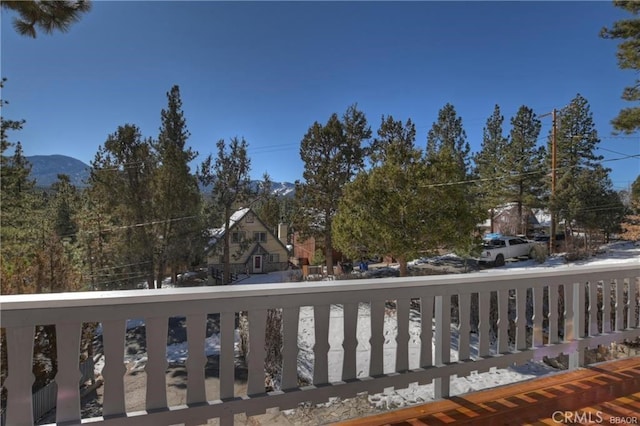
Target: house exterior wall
{"x": 251, "y": 238}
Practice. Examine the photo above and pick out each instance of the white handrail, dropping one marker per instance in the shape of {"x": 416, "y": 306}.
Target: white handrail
{"x": 526, "y": 327}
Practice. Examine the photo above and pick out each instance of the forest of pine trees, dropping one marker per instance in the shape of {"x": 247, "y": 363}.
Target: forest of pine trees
{"x": 144, "y": 214}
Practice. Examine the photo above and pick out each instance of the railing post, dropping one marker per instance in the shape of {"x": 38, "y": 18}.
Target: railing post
{"x": 321, "y": 315}
{"x": 441, "y": 385}
{"x": 575, "y": 332}
{"x": 20, "y": 378}
{"x": 426, "y": 331}
{"x": 290, "y": 321}
{"x": 68, "y": 376}
{"x": 156, "y": 334}
{"x": 113, "y": 336}
{"x": 632, "y": 320}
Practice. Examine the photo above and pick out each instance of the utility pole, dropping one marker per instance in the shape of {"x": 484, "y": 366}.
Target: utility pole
{"x": 552, "y": 238}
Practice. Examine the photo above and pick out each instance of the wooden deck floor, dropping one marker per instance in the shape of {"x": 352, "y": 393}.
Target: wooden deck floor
{"x": 605, "y": 393}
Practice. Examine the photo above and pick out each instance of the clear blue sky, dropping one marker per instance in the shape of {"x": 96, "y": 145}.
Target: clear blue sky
{"x": 266, "y": 71}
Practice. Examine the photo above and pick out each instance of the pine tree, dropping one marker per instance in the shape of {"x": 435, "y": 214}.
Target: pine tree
{"x": 447, "y": 134}
{"x": 19, "y": 212}
{"x": 490, "y": 164}
{"x": 455, "y": 201}
{"x": 581, "y": 180}
{"x": 332, "y": 154}
{"x": 631, "y": 223}
{"x": 385, "y": 211}
{"x": 47, "y": 16}
{"x": 523, "y": 183}
{"x": 228, "y": 175}
{"x": 627, "y": 30}
{"x": 176, "y": 196}
{"x": 121, "y": 184}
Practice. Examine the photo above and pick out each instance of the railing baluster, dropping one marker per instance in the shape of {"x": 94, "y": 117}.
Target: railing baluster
{"x": 484, "y": 323}
{"x": 196, "y": 361}
{"x": 257, "y": 353}
{"x": 569, "y": 325}
{"x": 554, "y": 336}
{"x": 68, "y": 376}
{"x": 619, "y": 305}
{"x": 441, "y": 385}
{"x": 632, "y": 303}
{"x": 20, "y": 377}
{"x": 402, "y": 336}
{"x": 350, "y": 342}
{"x": 521, "y": 319}
{"x": 321, "y": 347}
{"x": 227, "y": 355}
{"x": 114, "y": 368}
{"x": 536, "y": 336}
{"x": 606, "y": 307}
{"x": 576, "y": 320}
{"x": 290, "y": 320}
{"x": 593, "y": 308}
{"x": 426, "y": 331}
{"x": 156, "y": 332}
{"x": 376, "y": 362}
{"x": 464, "y": 326}
{"x": 503, "y": 321}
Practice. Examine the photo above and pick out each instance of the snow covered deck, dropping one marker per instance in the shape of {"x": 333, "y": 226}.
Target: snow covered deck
{"x": 469, "y": 323}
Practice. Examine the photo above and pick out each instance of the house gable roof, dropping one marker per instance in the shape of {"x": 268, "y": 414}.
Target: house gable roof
{"x": 237, "y": 217}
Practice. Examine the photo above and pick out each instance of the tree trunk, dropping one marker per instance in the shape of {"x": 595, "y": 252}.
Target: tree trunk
{"x": 328, "y": 244}
{"x": 492, "y": 225}
{"x": 328, "y": 254}
{"x": 404, "y": 270}
{"x": 226, "y": 258}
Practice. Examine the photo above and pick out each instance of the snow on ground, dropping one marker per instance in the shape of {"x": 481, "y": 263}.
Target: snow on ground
{"x": 177, "y": 353}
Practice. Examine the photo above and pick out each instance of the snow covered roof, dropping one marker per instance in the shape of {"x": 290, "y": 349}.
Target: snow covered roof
{"x": 217, "y": 233}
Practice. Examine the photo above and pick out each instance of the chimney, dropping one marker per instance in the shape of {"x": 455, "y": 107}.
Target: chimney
{"x": 282, "y": 233}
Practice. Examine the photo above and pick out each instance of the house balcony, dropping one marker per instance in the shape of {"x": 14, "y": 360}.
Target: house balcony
{"x": 490, "y": 320}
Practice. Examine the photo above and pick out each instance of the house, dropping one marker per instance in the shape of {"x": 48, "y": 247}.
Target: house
{"x": 505, "y": 221}
{"x": 254, "y": 249}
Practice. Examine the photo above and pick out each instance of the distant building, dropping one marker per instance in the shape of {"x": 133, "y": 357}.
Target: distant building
{"x": 254, "y": 249}
{"x": 505, "y": 221}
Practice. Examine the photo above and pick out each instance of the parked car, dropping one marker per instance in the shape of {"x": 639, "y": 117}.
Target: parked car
{"x": 497, "y": 249}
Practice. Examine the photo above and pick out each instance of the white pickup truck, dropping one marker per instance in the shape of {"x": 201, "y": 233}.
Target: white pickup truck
{"x": 497, "y": 249}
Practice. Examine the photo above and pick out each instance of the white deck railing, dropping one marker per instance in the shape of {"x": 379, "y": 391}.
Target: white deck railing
{"x": 529, "y": 314}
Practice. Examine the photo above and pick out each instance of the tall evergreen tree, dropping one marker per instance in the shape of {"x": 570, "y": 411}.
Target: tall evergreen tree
{"x": 490, "y": 164}
{"x": 631, "y": 222}
{"x": 47, "y": 16}
{"x": 121, "y": 183}
{"x": 578, "y": 166}
{"x": 448, "y": 159}
{"x": 228, "y": 176}
{"x": 64, "y": 204}
{"x": 332, "y": 154}
{"x": 176, "y": 196}
{"x": 385, "y": 211}
{"x": 19, "y": 212}
{"x": 524, "y": 183}
{"x": 447, "y": 134}
{"x": 627, "y": 30}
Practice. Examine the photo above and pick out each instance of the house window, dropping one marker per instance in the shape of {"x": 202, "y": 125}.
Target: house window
{"x": 260, "y": 237}
{"x": 274, "y": 257}
{"x": 237, "y": 237}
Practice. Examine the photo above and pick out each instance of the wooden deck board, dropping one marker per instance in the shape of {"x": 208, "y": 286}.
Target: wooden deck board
{"x": 608, "y": 391}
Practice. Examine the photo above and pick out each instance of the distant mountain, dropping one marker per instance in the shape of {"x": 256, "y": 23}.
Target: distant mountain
{"x": 284, "y": 189}
{"x": 46, "y": 168}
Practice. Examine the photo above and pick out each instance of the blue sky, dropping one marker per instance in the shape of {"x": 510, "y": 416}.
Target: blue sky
{"x": 266, "y": 71}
